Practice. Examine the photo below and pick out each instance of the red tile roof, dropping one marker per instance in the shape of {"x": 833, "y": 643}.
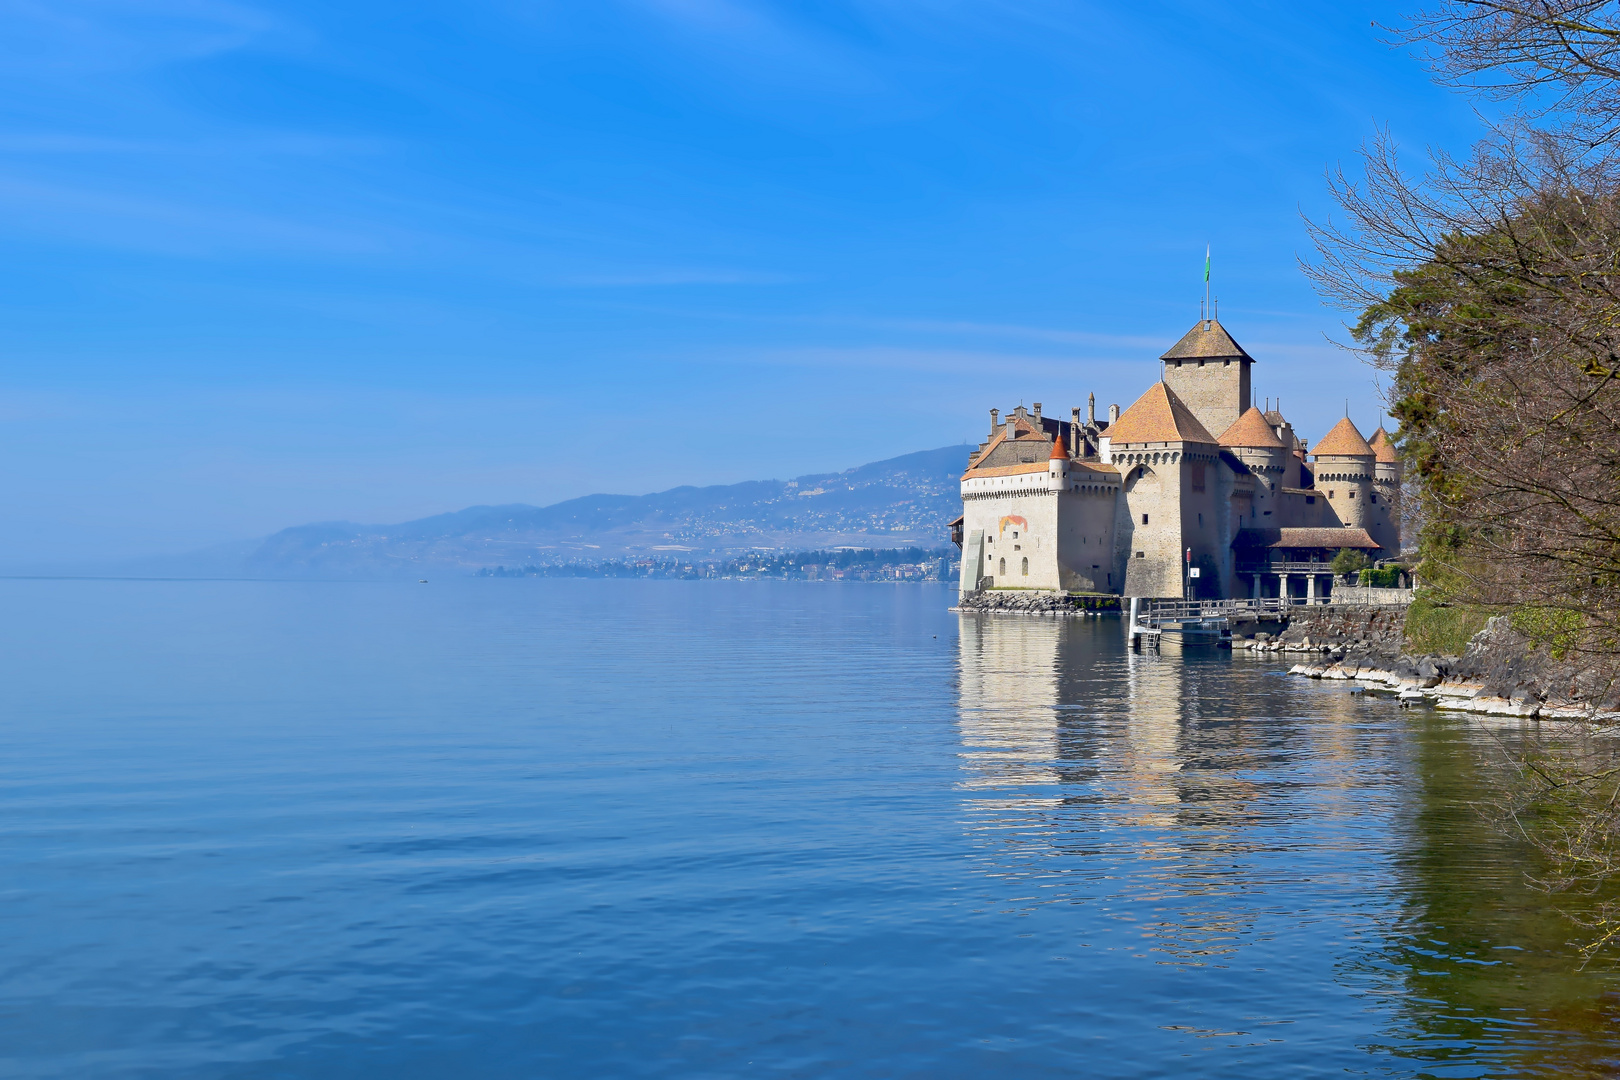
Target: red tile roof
{"x": 1251, "y": 430}
{"x": 1382, "y": 446}
{"x": 1343, "y": 441}
{"x": 1158, "y": 416}
{"x": 1304, "y": 538}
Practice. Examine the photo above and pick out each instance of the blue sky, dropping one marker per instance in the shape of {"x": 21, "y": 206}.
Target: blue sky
{"x": 266, "y": 264}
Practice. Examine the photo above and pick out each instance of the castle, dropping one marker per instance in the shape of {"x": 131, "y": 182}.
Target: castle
{"x": 1151, "y": 503}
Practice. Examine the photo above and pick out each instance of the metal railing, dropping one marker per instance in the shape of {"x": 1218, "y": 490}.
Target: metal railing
{"x": 1212, "y": 609}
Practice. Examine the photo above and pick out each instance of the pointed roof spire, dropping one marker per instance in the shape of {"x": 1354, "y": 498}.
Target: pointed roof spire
{"x": 1059, "y": 451}
{"x": 1383, "y": 446}
{"x": 1343, "y": 441}
{"x": 1251, "y": 430}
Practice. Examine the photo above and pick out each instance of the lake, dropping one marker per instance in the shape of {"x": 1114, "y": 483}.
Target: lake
{"x": 525, "y": 828}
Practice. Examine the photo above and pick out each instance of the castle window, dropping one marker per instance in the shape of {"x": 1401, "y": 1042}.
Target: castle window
{"x": 1026, "y": 568}
{"x": 1144, "y": 519}
{"x": 1373, "y": 497}
{"x": 1141, "y": 554}
{"x": 1330, "y": 494}
{"x": 1351, "y": 493}
{"x": 1003, "y": 566}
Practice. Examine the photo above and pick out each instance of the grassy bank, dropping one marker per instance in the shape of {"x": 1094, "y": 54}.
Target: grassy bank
{"x": 1434, "y": 627}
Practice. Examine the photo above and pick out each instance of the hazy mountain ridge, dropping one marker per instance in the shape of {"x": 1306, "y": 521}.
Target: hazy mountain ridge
{"x": 902, "y": 501}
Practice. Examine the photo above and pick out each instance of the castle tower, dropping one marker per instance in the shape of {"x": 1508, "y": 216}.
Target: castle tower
{"x": 1254, "y": 442}
{"x": 1344, "y": 471}
{"x": 1057, "y": 467}
{"x": 1387, "y": 491}
{"x": 1210, "y": 373}
{"x": 1164, "y": 458}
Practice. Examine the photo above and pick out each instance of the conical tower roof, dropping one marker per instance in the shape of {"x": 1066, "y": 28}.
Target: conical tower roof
{"x": 1343, "y": 441}
{"x": 1251, "y": 430}
{"x": 1060, "y": 452}
{"x": 1382, "y": 447}
{"x": 1158, "y": 416}
{"x": 1207, "y": 340}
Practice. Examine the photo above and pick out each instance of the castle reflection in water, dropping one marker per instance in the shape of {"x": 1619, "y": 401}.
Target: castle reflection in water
{"x": 1179, "y": 786}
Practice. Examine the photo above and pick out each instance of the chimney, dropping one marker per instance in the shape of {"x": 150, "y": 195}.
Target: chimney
{"x": 1113, "y": 415}
{"x": 1091, "y": 409}
{"x": 1037, "y": 416}
{"x": 995, "y": 421}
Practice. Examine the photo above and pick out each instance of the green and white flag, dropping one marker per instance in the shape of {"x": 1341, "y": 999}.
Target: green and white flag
{"x": 1206, "y": 264}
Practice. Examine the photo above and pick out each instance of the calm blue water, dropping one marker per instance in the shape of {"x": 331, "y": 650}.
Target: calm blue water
{"x": 595, "y": 828}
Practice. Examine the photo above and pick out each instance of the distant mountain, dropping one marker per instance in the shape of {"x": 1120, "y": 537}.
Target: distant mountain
{"x": 903, "y": 501}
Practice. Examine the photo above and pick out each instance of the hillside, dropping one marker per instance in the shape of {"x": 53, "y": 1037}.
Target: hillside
{"x": 902, "y": 501}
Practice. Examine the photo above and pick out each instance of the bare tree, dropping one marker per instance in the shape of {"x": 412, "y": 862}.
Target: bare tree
{"x": 1488, "y": 287}
{"x": 1551, "y": 59}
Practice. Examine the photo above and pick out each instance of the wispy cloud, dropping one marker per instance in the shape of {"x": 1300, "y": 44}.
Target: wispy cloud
{"x": 112, "y": 219}
{"x": 768, "y": 45}
{"x": 74, "y": 37}
{"x": 674, "y": 277}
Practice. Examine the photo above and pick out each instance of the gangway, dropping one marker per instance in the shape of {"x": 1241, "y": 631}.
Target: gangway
{"x": 1195, "y": 622}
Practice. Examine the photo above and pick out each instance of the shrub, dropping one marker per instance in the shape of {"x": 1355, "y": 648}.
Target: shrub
{"x": 1388, "y": 577}
{"x": 1348, "y": 561}
{"x": 1557, "y": 628}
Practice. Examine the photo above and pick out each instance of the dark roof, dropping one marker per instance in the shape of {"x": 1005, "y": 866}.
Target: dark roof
{"x": 1207, "y": 340}
{"x": 1304, "y": 538}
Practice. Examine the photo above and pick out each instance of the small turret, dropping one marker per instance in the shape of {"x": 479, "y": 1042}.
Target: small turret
{"x": 1057, "y": 466}
{"x": 1387, "y": 490}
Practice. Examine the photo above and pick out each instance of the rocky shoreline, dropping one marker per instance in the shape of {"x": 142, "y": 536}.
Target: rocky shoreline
{"x": 1501, "y": 673}
{"x": 1024, "y": 602}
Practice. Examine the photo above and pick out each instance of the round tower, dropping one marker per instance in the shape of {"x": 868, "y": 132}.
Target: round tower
{"x": 1057, "y": 468}
{"x": 1344, "y": 473}
{"x": 1387, "y": 491}
{"x": 1252, "y": 441}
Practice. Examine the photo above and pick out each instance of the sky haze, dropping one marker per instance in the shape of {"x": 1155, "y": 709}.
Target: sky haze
{"x": 266, "y": 264}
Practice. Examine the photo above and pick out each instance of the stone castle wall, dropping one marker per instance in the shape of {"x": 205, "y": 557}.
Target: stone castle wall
{"x": 1217, "y": 391}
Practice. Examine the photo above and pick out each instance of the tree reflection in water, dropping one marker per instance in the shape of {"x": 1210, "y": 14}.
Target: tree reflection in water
{"x": 1218, "y": 816}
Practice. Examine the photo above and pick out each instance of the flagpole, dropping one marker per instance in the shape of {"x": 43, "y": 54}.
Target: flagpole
{"x": 1208, "y": 314}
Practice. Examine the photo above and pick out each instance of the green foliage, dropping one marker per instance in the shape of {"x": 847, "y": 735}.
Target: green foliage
{"x": 1388, "y": 577}
{"x": 1348, "y": 561}
{"x": 1556, "y": 628}
{"x": 1433, "y": 626}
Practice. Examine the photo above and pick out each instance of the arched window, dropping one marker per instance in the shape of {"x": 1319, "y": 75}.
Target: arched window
{"x": 1003, "y": 570}
{"x": 1026, "y": 567}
